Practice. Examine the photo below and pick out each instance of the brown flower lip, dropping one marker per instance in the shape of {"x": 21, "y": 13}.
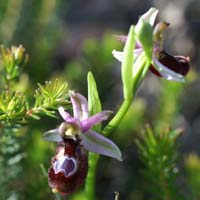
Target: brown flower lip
{"x": 69, "y": 167}
{"x": 178, "y": 64}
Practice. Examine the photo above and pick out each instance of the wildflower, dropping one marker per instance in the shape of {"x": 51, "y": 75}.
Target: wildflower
{"x": 163, "y": 65}
{"x": 74, "y": 136}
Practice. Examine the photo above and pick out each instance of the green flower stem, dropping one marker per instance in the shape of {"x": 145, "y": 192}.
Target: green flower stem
{"x": 137, "y": 79}
{"x": 91, "y": 177}
{"x": 119, "y": 116}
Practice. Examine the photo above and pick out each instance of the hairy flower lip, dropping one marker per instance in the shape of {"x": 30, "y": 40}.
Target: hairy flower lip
{"x": 68, "y": 167}
{"x": 178, "y": 64}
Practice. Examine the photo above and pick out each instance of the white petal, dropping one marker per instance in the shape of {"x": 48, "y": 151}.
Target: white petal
{"x": 166, "y": 72}
{"x": 119, "y": 55}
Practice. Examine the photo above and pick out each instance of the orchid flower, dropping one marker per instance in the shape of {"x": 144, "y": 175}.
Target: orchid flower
{"x": 80, "y": 126}
{"x": 163, "y": 65}
{"x": 75, "y": 135}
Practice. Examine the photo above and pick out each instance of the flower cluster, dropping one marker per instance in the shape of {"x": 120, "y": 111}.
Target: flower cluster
{"x": 74, "y": 136}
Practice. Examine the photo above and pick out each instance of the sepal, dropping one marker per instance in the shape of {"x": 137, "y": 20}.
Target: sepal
{"x": 97, "y": 143}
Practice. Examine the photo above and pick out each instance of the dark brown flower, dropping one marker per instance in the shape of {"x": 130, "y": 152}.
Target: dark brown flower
{"x": 178, "y": 64}
{"x": 69, "y": 167}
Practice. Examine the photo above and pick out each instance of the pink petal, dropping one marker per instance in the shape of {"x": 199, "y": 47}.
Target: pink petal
{"x": 80, "y": 105}
{"x": 97, "y": 143}
{"x": 66, "y": 116}
{"x": 95, "y": 119}
{"x": 121, "y": 38}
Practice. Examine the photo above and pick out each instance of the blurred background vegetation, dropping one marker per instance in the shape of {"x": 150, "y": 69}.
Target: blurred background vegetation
{"x": 66, "y": 39}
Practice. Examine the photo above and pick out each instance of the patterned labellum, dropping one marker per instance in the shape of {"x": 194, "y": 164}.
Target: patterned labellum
{"x": 69, "y": 167}
{"x": 178, "y": 64}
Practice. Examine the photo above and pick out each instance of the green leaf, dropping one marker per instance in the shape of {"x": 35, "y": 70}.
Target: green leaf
{"x": 48, "y": 98}
{"x": 128, "y": 63}
{"x": 94, "y": 105}
{"x": 94, "y": 102}
{"x": 13, "y": 106}
{"x": 144, "y": 33}
{"x": 159, "y": 154}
